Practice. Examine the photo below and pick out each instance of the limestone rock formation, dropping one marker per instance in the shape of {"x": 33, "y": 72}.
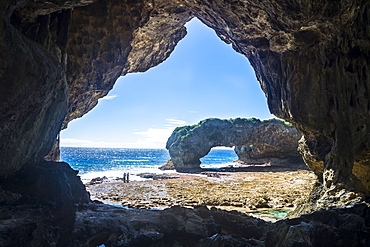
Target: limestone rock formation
{"x": 210, "y": 228}
{"x": 38, "y": 205}
{"x": 310, "y": 57}
{"x": 265, "y": 141}
{"x": 34, "y": 97}
{"x": 270, "y": 155}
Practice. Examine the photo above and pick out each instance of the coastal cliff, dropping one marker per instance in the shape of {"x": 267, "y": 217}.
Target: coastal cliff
{"x": 57, "y": 58}
{"x": 270, "y": 141}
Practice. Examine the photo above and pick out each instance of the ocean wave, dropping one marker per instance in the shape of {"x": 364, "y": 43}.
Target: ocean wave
{"x": 131, "y": 160}
{"x": 118, "y": 173}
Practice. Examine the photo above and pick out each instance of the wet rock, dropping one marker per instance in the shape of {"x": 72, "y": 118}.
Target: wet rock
{"x": 231, "y": 190}
{"x": 168, "y": 166}
{"x": 146, "y": 175}
{"x": 341, "y": 227}
{"x": 156, "y": 176}
{"x": 164, "y": 176}
{"x": 97, "y": 180}
{"x": 200, "y": 226}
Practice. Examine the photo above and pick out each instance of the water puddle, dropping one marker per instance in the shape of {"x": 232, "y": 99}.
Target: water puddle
{"x": 267, "y": 214}
{"x": 277, "y": 214}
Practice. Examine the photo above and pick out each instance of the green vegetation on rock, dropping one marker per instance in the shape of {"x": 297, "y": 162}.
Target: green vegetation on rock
{"x": 187, "y": 130}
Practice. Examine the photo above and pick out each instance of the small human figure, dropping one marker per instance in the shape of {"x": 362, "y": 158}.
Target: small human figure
{"x": 124, "y": 177}
{"x": 127, "y": 178}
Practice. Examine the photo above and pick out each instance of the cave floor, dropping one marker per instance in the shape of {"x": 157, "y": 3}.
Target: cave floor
{"x": 267, "y": 195}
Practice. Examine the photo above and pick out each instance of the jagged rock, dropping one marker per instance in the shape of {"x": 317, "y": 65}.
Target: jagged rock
{"x": 146, "y": 175}
{"x": 97, "y": 180}
{"x": 44, "y": 199}
{"x": 171, "y": 227}
{"x": 340, "y": 227}
{"x": 31, "y": 225}
{"x": 168, "y": 166}
{"x": 311, "y": 59}
{"x": 272, "y": 140}
{"x": 164, "y": 176}
{"x": 102, "y": 224}
{"x": 210, "y": 228}
{"x": 47, "y": 182}
{"x": 34, "y": 96}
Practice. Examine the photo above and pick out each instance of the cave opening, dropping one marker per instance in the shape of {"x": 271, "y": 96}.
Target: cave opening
{"x": 204, "y": 77}
{"x": 311, "y": 58}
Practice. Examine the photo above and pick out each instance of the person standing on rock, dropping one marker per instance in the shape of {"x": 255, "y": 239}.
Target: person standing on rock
{"x": 124, "y": 177}
{"x": 127, "y": 177}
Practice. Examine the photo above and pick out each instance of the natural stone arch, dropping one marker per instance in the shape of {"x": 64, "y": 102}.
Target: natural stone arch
{"x": 188, "y": 144}
{"x": 310, "y": 57}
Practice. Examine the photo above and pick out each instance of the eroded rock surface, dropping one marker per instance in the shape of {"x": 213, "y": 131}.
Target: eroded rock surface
{"x": 210, "y": 228}
{"x": 310, "y": 57}
{"x": 98, "y": 224}
{"x": 266, "y": 141}
{"x": 118, "y": 37}
{"x": 241, "y": 191}
{"x": 38, "y": 205}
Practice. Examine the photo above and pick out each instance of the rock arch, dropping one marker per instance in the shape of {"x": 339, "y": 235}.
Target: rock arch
{"x": 278, "y": 141}
{"x": 310, "y": 57}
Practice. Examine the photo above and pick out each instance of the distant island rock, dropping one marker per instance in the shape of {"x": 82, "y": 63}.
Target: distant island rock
{"x": 270, "y": 141}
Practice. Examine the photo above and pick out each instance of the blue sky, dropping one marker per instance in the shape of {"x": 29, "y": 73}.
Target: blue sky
{"x": 204, "y": 77}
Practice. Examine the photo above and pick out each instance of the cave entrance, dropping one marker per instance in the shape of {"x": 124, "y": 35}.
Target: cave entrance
{"x": 203, "y": 78}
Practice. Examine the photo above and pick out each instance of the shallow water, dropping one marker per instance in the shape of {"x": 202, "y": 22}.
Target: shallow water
{"x": 267, "y": 214}
{"x": 274, "y": 213}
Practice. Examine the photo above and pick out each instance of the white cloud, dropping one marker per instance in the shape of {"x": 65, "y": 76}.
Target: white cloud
{"x": 109, "y": 97}
{"x": 193, "y": 112}
{"x": 158, "y": 136}
{"x": 154, "y": 137}
{"x": 70, "y": 142}
{"x": 175, "y": 122}
{"x": 151, "y": 138}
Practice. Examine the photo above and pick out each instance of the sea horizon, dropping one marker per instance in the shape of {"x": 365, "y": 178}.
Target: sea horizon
{"x": 219, "y": 147}
{"x": 112, "y": 163}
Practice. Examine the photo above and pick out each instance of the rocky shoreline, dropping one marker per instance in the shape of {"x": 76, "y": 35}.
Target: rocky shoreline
{"x": 266, "y": 194}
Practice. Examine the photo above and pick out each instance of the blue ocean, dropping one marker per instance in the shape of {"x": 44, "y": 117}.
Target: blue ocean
{"x": 113, "y": 162}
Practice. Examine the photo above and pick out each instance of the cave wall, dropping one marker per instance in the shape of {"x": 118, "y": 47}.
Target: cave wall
{"x": 118, "y": 37}
{"x": 310, "y": 57}
{"x": 33, "y": 93}
{"x": 58, "y": 58}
